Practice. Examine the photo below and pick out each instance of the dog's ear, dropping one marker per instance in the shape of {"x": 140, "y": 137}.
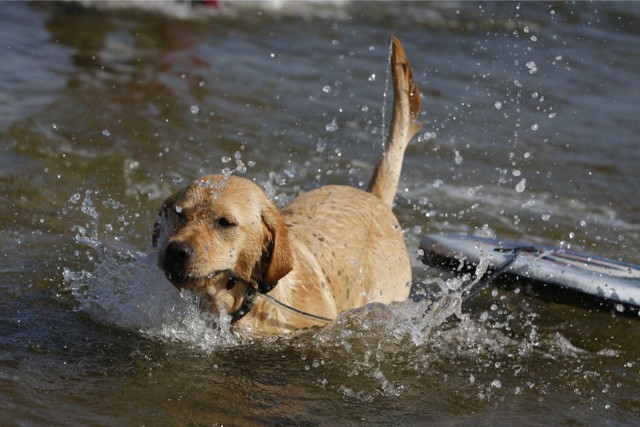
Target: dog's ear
{"x": 161, "y": 219}
{"x": 278, "y": 255}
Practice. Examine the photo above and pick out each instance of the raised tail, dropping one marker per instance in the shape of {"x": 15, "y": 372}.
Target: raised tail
{"x": 406, "y": 107}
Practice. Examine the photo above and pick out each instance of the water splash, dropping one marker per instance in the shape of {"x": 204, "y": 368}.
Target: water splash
{"x": 370, "y": 337}
{"x": 240, "y": 165}
{"x": 87, "y": 233}
{"x": 364, "y": 355}
{"x": 123, "y": 286}
{"x": 127, "y": 289}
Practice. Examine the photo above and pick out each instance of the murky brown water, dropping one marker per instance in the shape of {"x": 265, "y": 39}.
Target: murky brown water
{"x": 531, "y": 114}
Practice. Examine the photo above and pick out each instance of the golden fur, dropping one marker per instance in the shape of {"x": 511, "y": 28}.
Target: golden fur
{"x": 331, "y": 249}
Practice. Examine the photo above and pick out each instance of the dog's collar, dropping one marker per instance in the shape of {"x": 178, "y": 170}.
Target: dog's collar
{"x": 249, "y": 295}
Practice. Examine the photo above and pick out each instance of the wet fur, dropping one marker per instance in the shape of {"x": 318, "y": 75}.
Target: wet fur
{"x": 331, "y": 249}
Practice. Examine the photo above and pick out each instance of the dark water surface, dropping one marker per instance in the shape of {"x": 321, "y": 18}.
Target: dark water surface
{"x": 531, "y": 115}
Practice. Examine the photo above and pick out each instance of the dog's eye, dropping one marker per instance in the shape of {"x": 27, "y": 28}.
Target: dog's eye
{"x": 180, "y": 212}
{"x": 224, "y": 223}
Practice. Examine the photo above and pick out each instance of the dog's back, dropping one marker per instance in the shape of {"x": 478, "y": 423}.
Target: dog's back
{"x": 357, "y": 242}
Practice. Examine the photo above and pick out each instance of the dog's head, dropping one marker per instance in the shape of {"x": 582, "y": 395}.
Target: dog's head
{"x": 218, "y": 224}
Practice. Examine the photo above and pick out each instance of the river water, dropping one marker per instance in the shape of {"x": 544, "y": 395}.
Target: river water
{"x": 531, "y": 115}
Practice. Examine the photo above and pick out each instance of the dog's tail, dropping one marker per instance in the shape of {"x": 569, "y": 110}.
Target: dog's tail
{"x": 406, "y": 107}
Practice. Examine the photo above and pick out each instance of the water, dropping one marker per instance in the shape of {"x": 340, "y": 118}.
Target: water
{"x": 530, "y": 115}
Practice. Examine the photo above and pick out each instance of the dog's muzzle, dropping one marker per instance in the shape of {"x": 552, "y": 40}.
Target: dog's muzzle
{"x": 176, "y": 261}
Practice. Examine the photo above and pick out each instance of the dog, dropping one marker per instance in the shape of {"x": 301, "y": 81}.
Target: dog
{"x": 331, "y": 249}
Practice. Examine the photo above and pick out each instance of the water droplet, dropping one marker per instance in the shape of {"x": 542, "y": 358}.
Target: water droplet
{"x": 457, "y": 158}
{"x": 532, "y": 67}
{"x": 429, "y": 136}
{"x": 521, "y": 186}
{"x": 498, "y": 105}
{"x": 178, "y": 209}
{"x": 546, "y": 217}
{"x": 240, "y": 167}
{"x": 106, "y": 133}
{"x": 326, "y": 89}
{"x": 333, "y": 126}
{"x": 372, "y": 78}
{"x": 75, "y": 198}
{"x": 496, "y": 383}
{"x": 226, "y": 159}
{"x": 534, "y": 127}
{"x": 194, "y": 109}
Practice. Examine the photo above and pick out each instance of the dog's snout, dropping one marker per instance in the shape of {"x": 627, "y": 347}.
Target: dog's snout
{"x": 176, "y": 260}
{"x": 179, "y": 252}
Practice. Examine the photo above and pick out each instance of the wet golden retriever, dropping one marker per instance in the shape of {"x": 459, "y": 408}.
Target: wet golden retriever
{"x": 331, "y": 249}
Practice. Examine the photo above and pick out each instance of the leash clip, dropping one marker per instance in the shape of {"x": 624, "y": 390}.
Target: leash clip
{"x": 249, "y": 295}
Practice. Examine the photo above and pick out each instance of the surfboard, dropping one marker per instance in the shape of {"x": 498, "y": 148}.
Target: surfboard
{"x": 552, "y": 269}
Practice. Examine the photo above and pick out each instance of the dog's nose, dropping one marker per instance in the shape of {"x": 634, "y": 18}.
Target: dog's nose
{"x": 179, "y": 252}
